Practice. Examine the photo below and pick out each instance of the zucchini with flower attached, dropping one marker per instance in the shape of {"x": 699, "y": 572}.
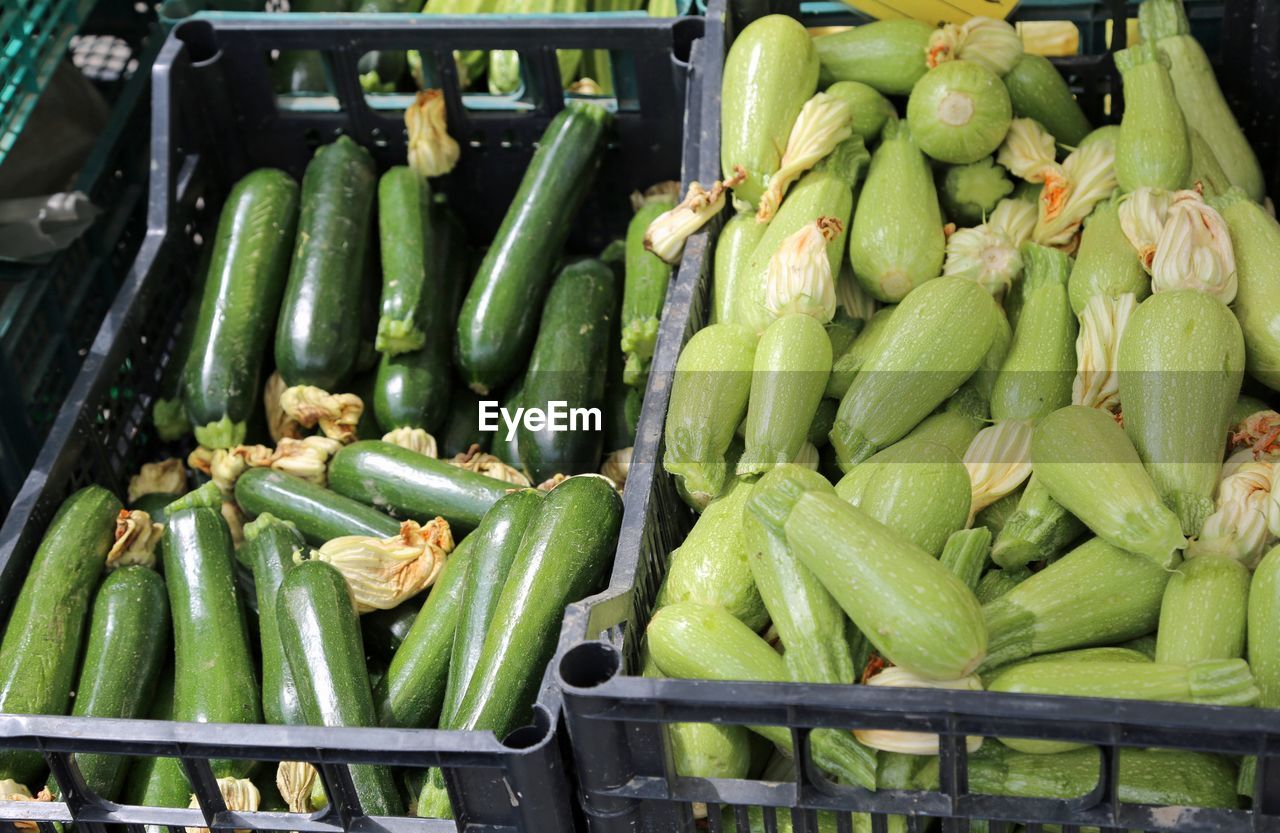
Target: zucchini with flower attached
{"x": 916, "y": 612}
{"x": 1096, "y": 594}
{"x": 1164, "y": 22}
{"x": 499, "y": 318}
{"x": 1038, "y": 91}
{"x": 238, "y": 306}
{"x": 1255, "y": 241}
{"x": 708, "y": 400}
{"x": 936, "y": 339}
{"x": 1204, "y": 611}
{"x": 697, "y": 641}
{"x": 711, "y": 565}
{"x": 41, "y": 643}
{"x": 791, "y": 366}
{"x": 644, "y": 289}
{"x": 1181, "y": 362}
{"x": 896, "y": 243}
{"x": 959, "y": 112}
{"x": 1090, "y": 467}
{"x": 1154, "y": 148}
{"x": 887, "y": 55}
{"x": 318, "y": 513}
{"x": 318, "y": 330}
{"x": 771, "y": 70}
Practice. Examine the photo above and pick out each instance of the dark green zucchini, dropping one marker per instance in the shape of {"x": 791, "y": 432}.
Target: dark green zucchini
{"x": 494, "y": 545}
{"x": 462, "y": 426}
{"x": 304, "y": 72}
{"x": 320, "y": 632}
{"x": 42, "y": 639}
{"x": 238, "y": 306}
{"x": 568, "y": 366}
{"x": 269, "y": 544}
{"x": 500, "y": 314}
{"x": 411, "y": 693}
{"x": 154, "y": 504}
{"x": 506, "y": 443}
{"x": 381, "y": 70}
{"x": 412, "y": 485}
{"x": 318, "y": 513}
{"x": 385, "y": 630}
{"x": 214, "y": 677}
{"x": 158, "y": 782}
{"x": 318, "y": 332}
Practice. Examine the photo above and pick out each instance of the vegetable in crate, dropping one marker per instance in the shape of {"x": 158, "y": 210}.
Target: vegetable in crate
{"x": 888, "y": 55}
{"x": 734, "y": 247}
{"x": 238, "y": 307}
{"x": 496, "y": 327}
{"x": 645, "y": 287}
{"x": 471, "y": 63}
{"x": 708, "y": 400}
{"x": 1037, "y": 530}
{"x": 564, "y": 555}
{"x": 1105, "y": 262}
{"x": 318, "y": 513}
{"x": 1264, "y": 628}
{"x": 896, "y": 242}
{"x": 824, "y": 122}
{"x": 970, "y": 192}
{"x": 845, "y": 365}
{"x": 770, "y": 72}
{"x": 1164, "y": 22}
{"x": 936, "y": 339}
{"x": 41, "y": 642}
{"x": 711, "y": 565}
{"x": 321, "y": 636}
{"x": 1154, "y": 148}
{"x": 504, "y": 64}
{"x": 698, "y": 641}
{"x": 1038, "y": 91}
{"x": 915, "y": 611}
{"x": 381, "y": 70}
{"x": 432, "y": 151}
{"x": 1096, "y": 594}
{"x": 268, "y": 550}
{"x": 318, "y": 331}
{"x": 1204, "y": 611}
{"x": 959, "y": 112}
{"x": 1181, "y": 362}
{"x": 1255, "y": 242}
{"x": 871, "y": 110}
{"x": 1091, "y": 468}
{"x": 215, "y": 681}
{"x": 568, "y": 365}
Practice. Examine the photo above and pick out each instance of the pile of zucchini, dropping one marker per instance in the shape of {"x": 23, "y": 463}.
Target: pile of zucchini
{"x": 288, "y": 585}
{"x": 967, "y": 413}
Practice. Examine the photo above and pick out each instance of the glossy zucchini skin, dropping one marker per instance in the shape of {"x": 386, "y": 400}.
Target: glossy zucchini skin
{"x": 385, "y": 475}
{"x": 494, "y": 545}
{"x": 887, "y": 55}
{"x": 568, "y": 365}
{"x": 462, "y": 424}
{"x": 321, "y": 635}
{"x": 411, "y": 693}
{"x": 318, "y": 332}
{"x": 1106, "y": 263}
{"x": 499, "y": 317}
{"x": 318, "y": 513}
{"x": 42, "y": 638}
{"x": 128, "y": 647}
{"x": 215, "y": 679}
{"x": 1038, "y": 91}
{"x": 268, "y": 548}
{"x": 237, "y": 316}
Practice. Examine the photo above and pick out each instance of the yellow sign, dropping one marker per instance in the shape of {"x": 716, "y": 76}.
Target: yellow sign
{"x": 934, "y": 11}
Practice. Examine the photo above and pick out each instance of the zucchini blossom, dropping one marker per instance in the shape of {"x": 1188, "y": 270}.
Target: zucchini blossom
{"x": 165, "y": 477}
{"x": 914, "y": 743}
{"x": 799, "y": 275}
{"x": 337, "y": 414}
{"x": 279, "y": 423}
{"x": 240, "y": 796}
{"x": 617, "y": 466}
{"x": 1028, "y": 151}
{"x": 235, "y": 520}
{"x": 985, "y": 256}
{"x": 1240, "y": 526}
{"x": 992, "y": 43}
{"x": 1102, "y": 322}
{"x": 480, "y": 462}
{"x": 824, "y": 122}
{"x": 999, "y": 460}
{"x": 136, "y": 540}
{"x": 1142, "y": 217}
{"x": 300, "y": 786}
{"x": 307, "y": 458}
{"x": 1194, "y": 250}
{"x": 666, "y": 234}
{"x": 1259, "y": 433}
{"x": 1016, "y": 218}
{"x": 432, "y": 151}
{"x": 414, "y": 439}
{"x": 383, "y": 572}
{"x": 1088, "y": 176}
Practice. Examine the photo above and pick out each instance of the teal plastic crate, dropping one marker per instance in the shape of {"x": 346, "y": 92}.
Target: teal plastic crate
{"x": 34, "y": 35}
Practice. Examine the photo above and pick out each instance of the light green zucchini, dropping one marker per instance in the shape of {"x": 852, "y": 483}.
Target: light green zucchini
{"x": 1255, "y": 239}
{"x": 1106, "y": 262}
{"x": 1154, "y": 149}
{"x": 1094, "y": 595}
{"x": 969, "y": 193}
{"x": 1038, "y": 91}
{"x": 1206, "y": 171}
{"x": 959, "y": 112}
{"x": 734, "y": 246}
{"x": 1089, "y": 466}
{"x": 965, "y": 554}
{"x": 997, "y": 583}
{"x": 887, "y": 55}
{"x": 935, "y": 341}
{"x": 1181, "y": 362}
{"x": 1204, "y": 612}
{"x": 1037, "y": 530}
{"x": 871, "y": 110}
{"x": 846, "y": 364}
{"x": 952, "y": 429}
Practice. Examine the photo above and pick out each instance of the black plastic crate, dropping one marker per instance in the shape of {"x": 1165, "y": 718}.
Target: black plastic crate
{"x": 616, "y": 722}
{"x": 214, "y": 119}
